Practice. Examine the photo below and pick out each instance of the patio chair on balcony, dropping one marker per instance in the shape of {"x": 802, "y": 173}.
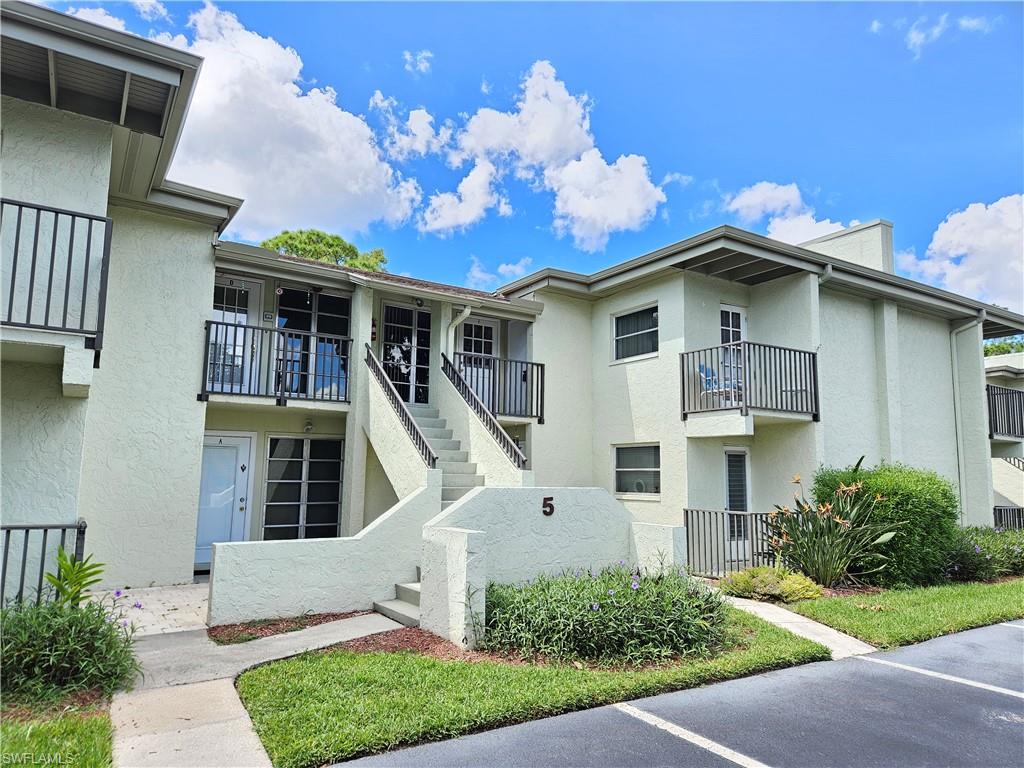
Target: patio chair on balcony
{"x": 710, "y": 386}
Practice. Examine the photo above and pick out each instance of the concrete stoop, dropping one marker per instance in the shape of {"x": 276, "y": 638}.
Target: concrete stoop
{"x": 405, "y": 608}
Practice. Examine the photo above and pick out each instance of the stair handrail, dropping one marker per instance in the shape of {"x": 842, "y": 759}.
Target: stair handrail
{"x": 504, "y": 440}
{"x": 415, "y": 433}
{"x": 1014, "y": 461}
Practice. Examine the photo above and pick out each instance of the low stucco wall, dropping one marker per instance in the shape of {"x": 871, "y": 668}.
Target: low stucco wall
{"x": 272, "y": 579}
{"x": 502, "y": 535}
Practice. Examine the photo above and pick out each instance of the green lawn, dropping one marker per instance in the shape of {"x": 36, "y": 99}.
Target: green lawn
{"x": 327, "y": 706}
{"x": 903, "y": 616}
{"x": 72, "y": 738}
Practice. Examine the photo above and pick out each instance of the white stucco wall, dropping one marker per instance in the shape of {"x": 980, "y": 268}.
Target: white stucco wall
{"x": 273, "y": 579}
{"x": 400, "y": 459}
{"x": 560, "y": 449}
{"x": 144, "y": 427}
{"x": 41, "y": 444}
{"x": 53, "y": 157}
{"x": 847, "y": 375}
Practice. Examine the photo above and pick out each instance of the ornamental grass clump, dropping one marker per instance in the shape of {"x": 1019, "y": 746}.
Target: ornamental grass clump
{"x": 765, "y": 582}
{"x": 614, "y": 615}
{"x": 831, "y": 541}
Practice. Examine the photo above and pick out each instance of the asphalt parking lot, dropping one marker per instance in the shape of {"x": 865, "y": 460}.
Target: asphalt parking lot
{"x": 953, "y": 701}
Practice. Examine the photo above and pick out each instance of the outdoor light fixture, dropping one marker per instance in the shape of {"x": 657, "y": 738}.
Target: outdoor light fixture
{"x": 308, "y": 426}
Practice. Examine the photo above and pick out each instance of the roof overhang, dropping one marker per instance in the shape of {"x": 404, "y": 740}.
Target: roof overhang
{"x": 268, "y": 263}
{"x": 739, "y": 256}
{"x": 141, "y": 88}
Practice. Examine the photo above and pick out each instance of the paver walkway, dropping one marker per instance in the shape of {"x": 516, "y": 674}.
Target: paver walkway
{"x": 184, "y": 710}
{"x": 841, "y": 645}
{"x": 164, "y": 609}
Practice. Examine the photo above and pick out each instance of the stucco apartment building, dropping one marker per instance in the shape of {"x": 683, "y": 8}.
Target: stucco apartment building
{"x": 201, "y": 401}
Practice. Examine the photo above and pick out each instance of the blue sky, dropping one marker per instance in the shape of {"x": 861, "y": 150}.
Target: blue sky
{"x": 787, "y": 119}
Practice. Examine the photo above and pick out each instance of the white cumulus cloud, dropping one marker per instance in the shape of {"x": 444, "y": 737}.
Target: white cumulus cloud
{"x": 478, "y": 277}
{"x": 546, "y": 140}
{"x": 418, "y": 63}
{"x": 977, "y": 252}
{"x": 875, "y": 27}
{"x": 450, "y": 212}
{"x": 981, "y": 24}
{"x": 416, "y": 136}
{"x": 515, "y": 269}
{"x": 151, "y": 10}
{"x": 790, "y": 219}
{"x": 302, "y": 160}
{"x": 98, "y": 16}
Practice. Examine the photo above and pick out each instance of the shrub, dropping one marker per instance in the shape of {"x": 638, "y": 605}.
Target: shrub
{"x": 53, "y": 649}
{"x": 612, "y": 615}
{"x": 832, "y": 540}
{"x": 769, "y": 583}
{"x": 918, "y": 504}
{"x": 983, "y": 554}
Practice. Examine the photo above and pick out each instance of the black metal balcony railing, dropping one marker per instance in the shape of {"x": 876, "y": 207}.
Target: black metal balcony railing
{"x": 274, "y": 362}
{"x": 54, "y": 269}
{"x": 746, "y": 376}
{"x": 402, "y": 409}
{"x": 1005, "y": 411}
{"x": 720, "y": 542}
{"x": 32, "y": 557}
{"x": 463, "y": 387}
{"x": 1008, "y": 518}
{"x": 505, "y": 387}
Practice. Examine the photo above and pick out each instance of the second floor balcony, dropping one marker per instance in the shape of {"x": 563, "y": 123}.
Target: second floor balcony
{"x": 507, "y": 388}
{"x": 750, "y": 378}
{"x": 54, "y": 270}
{"x": 1005, "y": 412}
{"x": 253, "y": 361}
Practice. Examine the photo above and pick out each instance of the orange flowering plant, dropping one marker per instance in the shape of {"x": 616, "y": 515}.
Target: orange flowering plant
{"x": 825, "y": 540}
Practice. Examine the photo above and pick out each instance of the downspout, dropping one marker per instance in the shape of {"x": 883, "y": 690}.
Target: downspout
{"x": 458, "y": 320}
{"x": 825, "y": 276}
{"x": 957, "y": 416}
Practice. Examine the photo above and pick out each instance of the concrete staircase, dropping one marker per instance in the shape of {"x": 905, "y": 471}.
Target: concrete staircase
{"x": 459, "y": 474}
{"x": 405, "y": 608}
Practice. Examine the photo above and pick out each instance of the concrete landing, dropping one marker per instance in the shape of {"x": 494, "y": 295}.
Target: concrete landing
{"x": 841, "y": 645}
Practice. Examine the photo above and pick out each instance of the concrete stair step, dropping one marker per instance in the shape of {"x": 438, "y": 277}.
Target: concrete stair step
{"x": 460, "y": 480}
{"x": 443, "y": 444}
{"x": 449, "y": 493}
{"x": 427, "y": 422}
{"x": 424, "y": 411}
{"x": 410, "y": 592}
{"x": 404, "y": 613}
{"x": 457, "y": 467}
{"x": 446, "y": 504}
{"x": 434, "y": 432}
{"x": 450, "y": 455}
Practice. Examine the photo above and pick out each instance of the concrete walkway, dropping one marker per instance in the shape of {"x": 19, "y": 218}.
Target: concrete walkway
{"x": 184, "y": 710}
{"x": 841, "y": 645}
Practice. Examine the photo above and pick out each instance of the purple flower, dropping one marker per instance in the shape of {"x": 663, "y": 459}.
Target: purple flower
{"x": 634, "y": 586}
{"x": 622, "y": 562}
{"x": 977, "y": 549}
{"x": 118, "y": 593}
{"x": 611, "y": 591}
{"x": 595, "y": 607}
{"x": 137, "y": 604}
{"x": 124, "y": 623}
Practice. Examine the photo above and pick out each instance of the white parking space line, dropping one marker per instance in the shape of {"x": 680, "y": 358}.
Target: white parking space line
{"x": 711, "y": 746}
{"x": 1008, "y": 624}
{"x": 941, "y": 676}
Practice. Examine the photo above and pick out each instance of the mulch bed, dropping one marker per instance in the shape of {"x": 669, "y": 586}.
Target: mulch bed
{"x": 416, "y": 640}
{"x": 229, "y": 634}
{"x": 82, "y": 703}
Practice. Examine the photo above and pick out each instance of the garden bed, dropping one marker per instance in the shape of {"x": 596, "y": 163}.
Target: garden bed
{"x": 404, "y": 687}
{"x": 903, "y": 616}
{"x": 231, "y": 634}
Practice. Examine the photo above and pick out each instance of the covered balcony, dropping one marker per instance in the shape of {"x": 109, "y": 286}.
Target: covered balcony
{"x": 53, "y": 269}
{"x": 730, "y": 385}
{"x": 248, "y": 361}
{"x": 1005, "y": 413}
{"x": 507, "y": 388}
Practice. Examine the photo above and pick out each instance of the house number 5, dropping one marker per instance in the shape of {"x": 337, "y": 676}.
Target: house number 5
{"x": 547, "y": 505}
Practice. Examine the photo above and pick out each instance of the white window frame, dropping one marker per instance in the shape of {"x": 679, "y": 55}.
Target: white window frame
{"x": 630, "y": 311}
{"x": 745, "y": 452}
{"x": 652, "y": 495}
{"x": 265, "y": 480}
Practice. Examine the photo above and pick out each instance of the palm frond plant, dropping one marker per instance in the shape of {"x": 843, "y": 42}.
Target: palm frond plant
{"x": 826, "y": 540}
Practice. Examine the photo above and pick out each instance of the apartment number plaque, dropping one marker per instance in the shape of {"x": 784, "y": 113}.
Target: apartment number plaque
{"x": 547, "y": 506}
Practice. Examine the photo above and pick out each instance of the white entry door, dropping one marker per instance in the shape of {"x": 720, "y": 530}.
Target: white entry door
{"x": 235, "y": 339}
{"x": 479, "y": 361}
{"x": 733, "y": 331}
{"x": 223, "y": 493}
